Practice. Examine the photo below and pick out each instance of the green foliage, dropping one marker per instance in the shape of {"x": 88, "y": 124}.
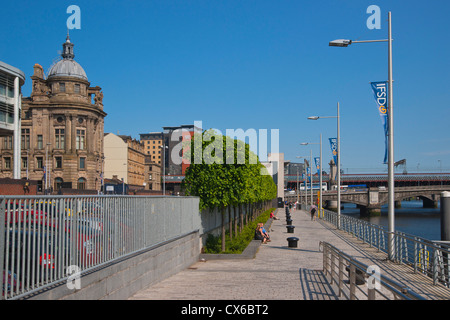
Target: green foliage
{"x": 238, "y": 244}
{"x": 225, "y": 172}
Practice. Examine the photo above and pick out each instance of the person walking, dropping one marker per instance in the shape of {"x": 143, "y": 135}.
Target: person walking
{"x": 313, "y": 212}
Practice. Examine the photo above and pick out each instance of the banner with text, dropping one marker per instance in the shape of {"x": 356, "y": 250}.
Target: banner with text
{"x": 317, "y": 160}
{"x": 333, "y": 145}
{"x": 380, "y": 92}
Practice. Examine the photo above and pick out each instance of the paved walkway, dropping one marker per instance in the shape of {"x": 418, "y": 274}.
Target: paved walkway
{"x": 277, "y": 272}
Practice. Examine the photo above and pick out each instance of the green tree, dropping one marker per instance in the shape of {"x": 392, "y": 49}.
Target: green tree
{"x": 224, "y": 173}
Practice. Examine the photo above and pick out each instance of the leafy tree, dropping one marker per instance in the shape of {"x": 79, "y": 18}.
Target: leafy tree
{"x": 224, "y": 173}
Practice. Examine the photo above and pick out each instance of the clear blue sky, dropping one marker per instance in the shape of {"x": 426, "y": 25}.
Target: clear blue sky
{"x": 255, "y": 64}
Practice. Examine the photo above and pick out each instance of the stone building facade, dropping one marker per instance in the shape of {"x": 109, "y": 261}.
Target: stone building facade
{"x": 125, "y": 159}
{"x": 61, "y": 128}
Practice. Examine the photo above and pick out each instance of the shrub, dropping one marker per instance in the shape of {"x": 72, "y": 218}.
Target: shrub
{"x": 239, "y": 243}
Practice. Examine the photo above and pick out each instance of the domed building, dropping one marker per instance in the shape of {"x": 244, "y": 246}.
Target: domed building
{"x": 62, "y": 128}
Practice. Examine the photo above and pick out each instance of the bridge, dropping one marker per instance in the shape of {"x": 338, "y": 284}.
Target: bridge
{"x": 376, "y": 179}
{"x": 370, "y": 200}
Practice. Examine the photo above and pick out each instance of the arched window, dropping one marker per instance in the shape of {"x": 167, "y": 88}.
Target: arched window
{"x": 81, "y": 183}
{"x": 58, "y": 183}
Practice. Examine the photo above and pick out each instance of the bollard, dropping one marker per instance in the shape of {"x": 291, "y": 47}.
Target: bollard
{"x": 289, "y": 222}
{"x": 288, "y": 216}
{"x": 445, "y": 216}
{"x": 290, "y": 229}
{"x": 292, "y": 242}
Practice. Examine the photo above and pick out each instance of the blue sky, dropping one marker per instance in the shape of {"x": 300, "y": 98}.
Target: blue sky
{"x": 255, "y": 65}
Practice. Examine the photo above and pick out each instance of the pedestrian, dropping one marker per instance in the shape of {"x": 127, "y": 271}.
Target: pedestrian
{"x": 313, "y": 212}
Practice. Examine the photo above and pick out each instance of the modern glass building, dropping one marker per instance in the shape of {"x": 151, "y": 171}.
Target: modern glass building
{"x": 11, "y": 81}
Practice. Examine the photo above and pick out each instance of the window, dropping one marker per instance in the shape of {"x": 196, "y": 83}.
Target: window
{"x": 40, "y": 142}
{"x": 7, "y": 162}
{"x": 58, "y": 183}
{"x": 82, "y": 163}
{"x": 58, "y": 162}
{"x": 6, "y": 86}
{"x": 2, "y": 89}
{"x": 62, "y": 87}
{"x": 8, "y": 143}
{"x": 81, "y": 184}
{"x": 26, "y": 139}
{"x": 76, "y": 88}
{"x": 59, "y": 138}
{"x": 81, "y": 136}
{"x": 24, "y": 162}
{"x": 40, "y": 162}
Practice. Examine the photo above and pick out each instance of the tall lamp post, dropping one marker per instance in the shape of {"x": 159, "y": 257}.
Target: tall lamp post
{"x": 304, "y": 172}
{"x": 320, "y": 172}
{"x": 391, "y": 203}
{"x": 338, "y": 156}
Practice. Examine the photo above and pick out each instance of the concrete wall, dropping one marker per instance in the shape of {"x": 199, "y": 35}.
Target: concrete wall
{"x": 121, "y": 279}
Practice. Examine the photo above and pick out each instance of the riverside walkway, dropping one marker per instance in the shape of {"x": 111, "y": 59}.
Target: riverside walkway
{"x": 282, "y": 273}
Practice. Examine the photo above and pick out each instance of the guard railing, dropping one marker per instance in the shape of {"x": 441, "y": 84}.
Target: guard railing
{"x": 357, "y": 281}
{"x": 431, "y": 258}
{"x": 44, "y": 239}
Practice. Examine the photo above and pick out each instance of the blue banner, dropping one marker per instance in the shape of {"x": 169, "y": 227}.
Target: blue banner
{"x": 333, "y": 145}
{"x": 317, "y": 161}
{"x": 380, "y": 92}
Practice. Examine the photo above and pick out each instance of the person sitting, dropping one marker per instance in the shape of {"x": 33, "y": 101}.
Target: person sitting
{"x": 264, "y": 232}
{"x": 273, "y": 216}
{"x": 259, "y": 235}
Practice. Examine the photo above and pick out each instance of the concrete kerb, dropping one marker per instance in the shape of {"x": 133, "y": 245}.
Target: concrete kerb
{"x": 248, "y": 253}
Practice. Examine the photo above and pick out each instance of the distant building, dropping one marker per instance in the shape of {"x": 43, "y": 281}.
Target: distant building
{"x": 124, "y": 158}
{"x": 11, "y": 81}
{"x": 166, "y": 149}
{"x": 153, "y": 143}
{"x": 61, "y": 128}
{"x": 153, "y": 175}
{"x": 174, "y": 137}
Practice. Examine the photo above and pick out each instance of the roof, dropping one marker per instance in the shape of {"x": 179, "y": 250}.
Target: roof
{"x": 67, "y": 67}
{"x": 13, "y": 71}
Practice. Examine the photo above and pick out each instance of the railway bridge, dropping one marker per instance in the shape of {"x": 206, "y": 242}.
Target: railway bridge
{"x": 370, "y": 200}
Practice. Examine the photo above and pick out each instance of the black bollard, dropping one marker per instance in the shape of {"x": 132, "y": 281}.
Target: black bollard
{"x": 292, "y": 242}
{"x": 289, "y": 222}
{"x": 290, "y": 228}
{"x": 445, "y": 216}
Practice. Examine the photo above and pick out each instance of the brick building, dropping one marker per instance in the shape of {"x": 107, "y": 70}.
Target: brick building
{"x": 61, "y": 128}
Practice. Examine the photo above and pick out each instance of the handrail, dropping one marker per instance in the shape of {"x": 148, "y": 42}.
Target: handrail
{"x": 431, "y": 258}
{"x": 377, "y": 284}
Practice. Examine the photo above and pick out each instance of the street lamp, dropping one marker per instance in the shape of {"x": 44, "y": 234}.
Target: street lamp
{"x": 303, "y": 171}
{"x": 338, "y": 164}
{"x": 310, "y": 177}
{"x": 391, "y": 203}
{"x": 320, "y": 172}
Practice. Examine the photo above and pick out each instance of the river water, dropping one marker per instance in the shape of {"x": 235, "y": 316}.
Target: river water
{"x": 411, "y": 218}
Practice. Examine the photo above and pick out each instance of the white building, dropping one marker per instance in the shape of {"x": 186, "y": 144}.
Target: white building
{"x": 11, "y": 81}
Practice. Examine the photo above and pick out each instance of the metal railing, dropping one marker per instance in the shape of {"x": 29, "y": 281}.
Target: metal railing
{"x": 431, "y": 258}
{"x": 359, "y": 281}
{"x": 43, "y": 238}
